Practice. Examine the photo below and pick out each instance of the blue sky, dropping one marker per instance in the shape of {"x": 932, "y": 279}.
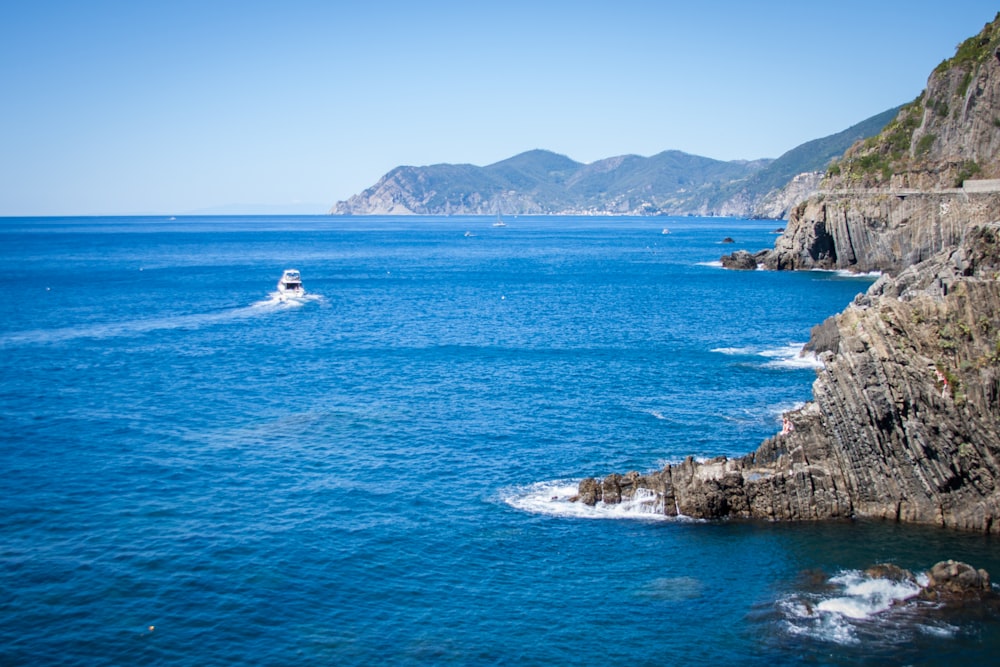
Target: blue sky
{"x": 175, "y": 107}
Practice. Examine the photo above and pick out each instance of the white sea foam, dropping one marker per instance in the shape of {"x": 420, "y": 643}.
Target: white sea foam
{"x": 735, "y": 351}
{"x": 788, "y": 356}
{"x": 857, "y": 602}
{"x": 871, "y": 275}
{"x": 553, "y": 499}
{"x": 844, "y": 273}
{"x": 714, "y": 264}
{"x": 864, "y": 597}
{"x": 791, "y": 356}
{"x": 277, "y": 300}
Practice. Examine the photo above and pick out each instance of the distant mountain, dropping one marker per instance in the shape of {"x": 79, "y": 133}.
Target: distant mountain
{"x": 791, "y": 178}
{"x": 669, "y": 183}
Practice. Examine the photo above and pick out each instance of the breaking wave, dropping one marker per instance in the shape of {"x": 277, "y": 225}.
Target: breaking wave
{"x": 844, "y": 273}
{"x": 553, "y": 498}
{"x": 853, "y": 608}
{"x": 790, "y": 356}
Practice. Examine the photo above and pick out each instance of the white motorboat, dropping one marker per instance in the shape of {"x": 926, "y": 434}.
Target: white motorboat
{"x": 290, "y": 284}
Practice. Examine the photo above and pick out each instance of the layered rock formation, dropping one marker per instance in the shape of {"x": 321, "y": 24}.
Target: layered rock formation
{"x": 905, "y": 418}
{"x": 905, "y": 421}
{"x": 899, "y": 197}
{"x": 880, "y": 230}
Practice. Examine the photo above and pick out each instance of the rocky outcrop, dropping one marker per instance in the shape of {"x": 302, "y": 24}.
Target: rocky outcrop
{"x": 948, "y": 581}
{"x": 742, "y": 260}
{"x": 899, "y": 197}
{"x": 880, "y": 230}
{"x": 905, "y": 418}
{"x": 951, "y": 580}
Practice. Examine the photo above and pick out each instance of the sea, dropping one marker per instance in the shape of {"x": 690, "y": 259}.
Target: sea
{"x": 197, "y": 472}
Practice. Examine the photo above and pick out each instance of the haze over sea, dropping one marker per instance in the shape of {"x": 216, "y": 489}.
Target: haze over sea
{"x": 197, "y": 473}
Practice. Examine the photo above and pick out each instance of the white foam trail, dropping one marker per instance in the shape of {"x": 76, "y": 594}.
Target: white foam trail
{"x": 278, "y": 300}
{"x": 135, "y": 327}
{"x": 553, "y": 499}
{"x": 714, "y": 264}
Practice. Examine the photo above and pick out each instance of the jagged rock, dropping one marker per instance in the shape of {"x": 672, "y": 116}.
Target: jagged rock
{"x": 891, "y": 572}
{"x": 589, "y": 492}
{"x": 878, "y": 231}
{"x": 740, "y": 260}
{"x": 824, "y": 337}
{"x": 954, "y": 580}
{"x": 728, "y": 239}
{"x": 903, "y": 424}
{"x": 912, "y": 191}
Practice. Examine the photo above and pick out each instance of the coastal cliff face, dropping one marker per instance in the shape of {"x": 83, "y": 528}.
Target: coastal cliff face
{"x": 879, "y": 231}
{"x": 897, "y": 198}
{"x": 904, "y": 422}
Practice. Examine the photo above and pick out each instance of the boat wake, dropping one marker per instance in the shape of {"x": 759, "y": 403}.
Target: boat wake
{"x": 852, "y": 608}
{"x": 554, "y": 499}
{"x": 127, "y": 329}
{"x": 278, "y": 300}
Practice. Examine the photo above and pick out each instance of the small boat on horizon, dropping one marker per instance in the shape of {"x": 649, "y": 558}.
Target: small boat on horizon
{"x": 499, "y": 222}
{"x": 290, "y": 284}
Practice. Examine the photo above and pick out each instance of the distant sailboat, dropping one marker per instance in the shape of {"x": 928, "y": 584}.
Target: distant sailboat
{"x": 499, "y": 222}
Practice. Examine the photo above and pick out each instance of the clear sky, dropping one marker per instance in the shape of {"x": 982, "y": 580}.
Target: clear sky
{"x": 127, "y": 107}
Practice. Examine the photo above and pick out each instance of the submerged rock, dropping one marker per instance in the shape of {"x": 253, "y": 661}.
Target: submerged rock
{"x": 891, "y": 572}
{"x": 946, "y": 581}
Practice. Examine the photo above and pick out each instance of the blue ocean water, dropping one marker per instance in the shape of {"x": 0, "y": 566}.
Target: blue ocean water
{"x": 197, "y": 473}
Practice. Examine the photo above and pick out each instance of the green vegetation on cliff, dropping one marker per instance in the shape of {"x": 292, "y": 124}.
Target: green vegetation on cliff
{"x": 927, "y": 145}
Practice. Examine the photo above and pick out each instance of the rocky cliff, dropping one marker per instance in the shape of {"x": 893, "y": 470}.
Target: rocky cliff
{"x": 880, "y": 230}
{"x": 905, "y": 421}
{"x": 899, "y": 197}
{"x": 905, "y": 418}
